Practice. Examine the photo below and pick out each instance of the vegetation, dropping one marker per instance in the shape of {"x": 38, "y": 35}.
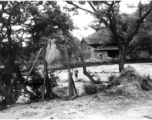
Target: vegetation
{"x": 122, "y": 26}
{"x": 31, "y": 22}
{"x": 90, "y": 88}
{"x": 26, "y": 26}
{"x": 129, "y": 83}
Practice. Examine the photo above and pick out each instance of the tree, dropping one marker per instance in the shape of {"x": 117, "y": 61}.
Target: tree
{"x": 63, "y": 24}
{"x": 16, "y": 20}
{"x": 141, "y": 40}
{"x": 122, "y": 26}
{"x": 49, "y": 23}
{"x": 12, "y": 14}
{"x": 144, "y": 37}
{"x": 79, "y": 54}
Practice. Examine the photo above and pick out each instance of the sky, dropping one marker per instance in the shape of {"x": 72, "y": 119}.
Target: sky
{"x": 82, "y": 20}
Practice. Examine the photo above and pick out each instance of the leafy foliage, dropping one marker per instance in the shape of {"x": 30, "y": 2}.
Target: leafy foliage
{"x": 34, "y": 87}
{"x": 22, "y": 26}
{"x": 90, "y": 88}
{"x": 122, "y": 26}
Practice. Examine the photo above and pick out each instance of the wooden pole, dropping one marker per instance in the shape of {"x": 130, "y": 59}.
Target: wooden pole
{"x": 71, "y": 93}
{"x": 28, "y": 75}
{"x": 46, "y": 83}
{"x": 44, "y": 72}
{"x": 75, "y": 90}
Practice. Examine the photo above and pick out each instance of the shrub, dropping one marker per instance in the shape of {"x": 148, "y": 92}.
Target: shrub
{"x": 90, "y": 88}
{"x": 33, "y": 87}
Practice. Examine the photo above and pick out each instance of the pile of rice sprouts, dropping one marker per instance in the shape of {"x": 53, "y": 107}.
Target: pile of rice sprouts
{"x": 129, "y": 83}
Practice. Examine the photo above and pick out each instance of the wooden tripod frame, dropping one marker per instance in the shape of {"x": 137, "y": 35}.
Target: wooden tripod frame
{"x": 72, "y": 87}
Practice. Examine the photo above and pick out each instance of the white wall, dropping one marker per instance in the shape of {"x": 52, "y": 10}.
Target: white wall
{"x": 104, "y": 54}
{"x": 143, "y": 54}
{"x": 85, "y": 49}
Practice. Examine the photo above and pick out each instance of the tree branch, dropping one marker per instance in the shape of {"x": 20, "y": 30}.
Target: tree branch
{"x": 71, "y": 3}
{"x": 147, "y": 13}
{"x": 112, "y": 25}
{"x": 92, "y": 6}
{"x": 139, "y": 23}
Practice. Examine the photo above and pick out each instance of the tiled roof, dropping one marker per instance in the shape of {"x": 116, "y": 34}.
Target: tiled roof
{"x": 101, "y": 37}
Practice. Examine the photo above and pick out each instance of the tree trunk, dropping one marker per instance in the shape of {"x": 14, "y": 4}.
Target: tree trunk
{"x": 122, "y": 58}
{"x": 121, "y": 63}
{"x": 71, "y": 92}
{"x": 85, "y": 72}
{"x": 8, "y": 73}
{"x": 5, "y": 93}
{"x": 49, "y": 91}
{"x": 8, "y": 69}
{"x": 81, "y": 57}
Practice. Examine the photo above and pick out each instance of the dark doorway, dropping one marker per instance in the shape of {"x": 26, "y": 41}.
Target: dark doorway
{"x": 113, "y": 53}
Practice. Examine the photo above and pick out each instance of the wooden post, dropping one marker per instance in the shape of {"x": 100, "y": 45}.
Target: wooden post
{"x": 28, "y": 75}
{"x": 44, "y": 72}
{"x": 75, "y": 90}
{"x": 71, "y": 93}
{"x": 46, "y": 83}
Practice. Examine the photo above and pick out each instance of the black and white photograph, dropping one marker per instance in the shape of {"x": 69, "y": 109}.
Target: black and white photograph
{"x": 76, "y": 59}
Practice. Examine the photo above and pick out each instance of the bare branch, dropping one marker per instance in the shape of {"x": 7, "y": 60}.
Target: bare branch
{"x": 71, "y": 3}
{"x": 112, "y": 25}
{"x": 147, "y": 13}
{"x": 92, "y": 6}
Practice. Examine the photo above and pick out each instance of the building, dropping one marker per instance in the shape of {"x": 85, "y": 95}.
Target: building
{"x": 99, "y": 45}
{"x": 143, "y": 53}
{"x": 96, "y": 50}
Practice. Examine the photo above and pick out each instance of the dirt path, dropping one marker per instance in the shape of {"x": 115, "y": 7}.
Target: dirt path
{"x": 89, "y": 107}
{"x": 141, "y": 110}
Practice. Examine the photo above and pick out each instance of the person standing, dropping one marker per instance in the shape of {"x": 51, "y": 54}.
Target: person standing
{"x": 76, "y": 74}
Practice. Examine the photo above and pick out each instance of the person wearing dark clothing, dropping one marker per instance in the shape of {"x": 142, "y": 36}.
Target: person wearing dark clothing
{"x": 76, "y": 74}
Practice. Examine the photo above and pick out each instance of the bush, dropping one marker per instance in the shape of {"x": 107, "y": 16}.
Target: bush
{"x": 90, "y": 88}
{"x": 33, "y": 87}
